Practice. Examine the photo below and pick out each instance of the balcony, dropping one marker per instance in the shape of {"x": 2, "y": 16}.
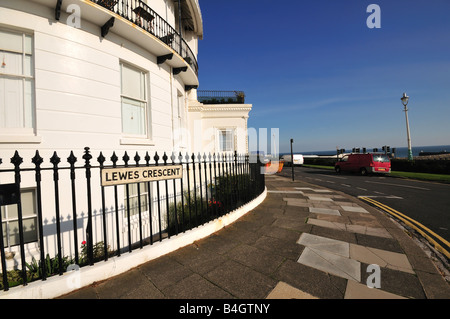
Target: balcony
{"x": 220, "y": 97}
{"x": 140, "y": 14}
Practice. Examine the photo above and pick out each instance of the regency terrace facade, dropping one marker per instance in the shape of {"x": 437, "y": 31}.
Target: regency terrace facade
{"x": 116, "y": 76}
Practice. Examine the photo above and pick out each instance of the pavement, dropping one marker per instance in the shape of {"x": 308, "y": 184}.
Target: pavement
{"x": 302, "y": 242}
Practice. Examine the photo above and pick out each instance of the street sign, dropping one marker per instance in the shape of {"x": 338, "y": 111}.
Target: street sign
{"x": 129, "y": 175}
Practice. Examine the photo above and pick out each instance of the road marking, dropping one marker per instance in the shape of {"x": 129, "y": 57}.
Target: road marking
{"x": 284, "y": 192}
{"x": 378, "y": 192}
{"x": 363, "y": 189}
{"x": 330, "y": 182}
{"x": 387, "y": 196}
{"x": 425, "y": 189}
{"x": 332, "y": 176}
{"x": 424, "y": 231}
{"x": 346, "y": 185}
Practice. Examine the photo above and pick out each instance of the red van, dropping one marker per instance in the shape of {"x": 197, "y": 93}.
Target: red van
{"x": 364, "y": 163}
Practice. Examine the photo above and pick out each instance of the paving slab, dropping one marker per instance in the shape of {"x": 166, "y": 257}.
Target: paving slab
{"x": 379, "y": 232}
{"x": 241, "y": 281}
{"x": 390, "y": 244}
{"x": 333, "y": 218}
{"x": 311, "y": 280}
{"x": 397, "y": 282}
{"x": 337, "y": 247}
{"x": 195, "y": 287}
{"x": 297, "y": 202}
{"x": 383, "y": 258}
{"x": 285, "y": 291}
{"x": 320, "y": 199}
{"x": 327, "y": 211}
{"x": 357, "y": 209}
{"x": 331, "y": 263}
{"x": 356, "y": 290}
{"x": 258, "y": 259}
{"x": 327, "y": 224}
{"x": 334, "y": 234}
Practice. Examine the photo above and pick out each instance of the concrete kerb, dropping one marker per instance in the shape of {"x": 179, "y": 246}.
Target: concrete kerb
{"x": 70, "y": 281}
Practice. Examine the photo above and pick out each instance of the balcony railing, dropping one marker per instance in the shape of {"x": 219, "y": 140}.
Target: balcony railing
{"x": 139, "y": 13}
{"x": 221, "y": 97}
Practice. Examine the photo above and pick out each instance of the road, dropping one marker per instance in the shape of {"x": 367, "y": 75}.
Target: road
{"x": 426, "y": 202}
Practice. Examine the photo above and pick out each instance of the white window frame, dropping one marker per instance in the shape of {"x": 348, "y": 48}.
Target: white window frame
{"x": 22, "y": 134}
{"x": 142, "y": 197}
{"x": 7, "y": 220}
{"x": 137, "y": 139}
{"x": 219, "y": 145}
{"x": 179, "y": 138}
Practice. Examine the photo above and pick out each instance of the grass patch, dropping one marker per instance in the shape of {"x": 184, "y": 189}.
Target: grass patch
{"x": 422, "y": 176}
{"x": 318, "y": 166}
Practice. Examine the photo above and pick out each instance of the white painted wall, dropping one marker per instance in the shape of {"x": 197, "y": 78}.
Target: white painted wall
{"x": 78, "y": 104}
{"x": 205, "y": 120}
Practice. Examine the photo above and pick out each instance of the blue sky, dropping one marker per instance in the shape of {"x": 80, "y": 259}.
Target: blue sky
{"x": 315, "y": 70}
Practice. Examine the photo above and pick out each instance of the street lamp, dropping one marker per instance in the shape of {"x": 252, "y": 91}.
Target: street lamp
{"x": 405, "y": 99}
{"x": 292, "y": 159}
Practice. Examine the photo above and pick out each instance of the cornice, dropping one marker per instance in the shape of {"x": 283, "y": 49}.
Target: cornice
{"x": 219, "y": 107}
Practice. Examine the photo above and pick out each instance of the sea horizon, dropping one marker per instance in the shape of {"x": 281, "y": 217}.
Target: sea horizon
{"x": 400, "y": 151}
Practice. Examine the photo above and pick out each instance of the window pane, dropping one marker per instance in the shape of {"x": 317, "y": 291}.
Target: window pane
{"x": 12, "y": 212}
{"x": 132, "y": 189}
{"x": 28, "y": 203}
{"x": 29, "y": 231}
{"x": 28, "y": 44}
{"x": 144, "y": 202}
{"x": 11, "y": 62}
{"x": 226, "y": 140}
{"x": 11, "y": 92}
{"x": 4, "y": 234}
{"x": 28, "y": 65}
{"x": 11, "y": 41}
{"x": 133, "y": 206}
{"x": 133, "y": 198}
{"x": 133, "y": 117}
{"x": 132, "y": 83}
{"x": 28, "y": 103}
{"x": 14, "y": 233}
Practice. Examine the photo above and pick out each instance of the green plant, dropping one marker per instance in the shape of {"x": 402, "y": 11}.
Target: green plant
{"x": 34, "y": 270}
{"x": 224, "y": 195}
{"x": 98, "y": 252}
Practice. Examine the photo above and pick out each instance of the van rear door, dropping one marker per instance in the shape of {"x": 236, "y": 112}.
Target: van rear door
{"x": 381, "y": 163}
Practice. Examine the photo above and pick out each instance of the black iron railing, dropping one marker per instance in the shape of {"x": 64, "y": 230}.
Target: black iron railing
{"x": 142, "y": 15}
{"x": 220, "y": 97}
{"x": 80, "y": 219}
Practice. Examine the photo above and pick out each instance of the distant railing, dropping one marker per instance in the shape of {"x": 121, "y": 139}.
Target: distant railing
{"x": 139, "y": 13}
{"x": 220, "y": 97}
{"x": 94, "y": 207}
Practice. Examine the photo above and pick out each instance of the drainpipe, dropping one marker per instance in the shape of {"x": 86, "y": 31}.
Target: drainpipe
{"x": 180, "y": 26}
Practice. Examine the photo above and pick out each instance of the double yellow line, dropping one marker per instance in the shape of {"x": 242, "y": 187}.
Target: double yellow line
{"x": 424, "y": 231}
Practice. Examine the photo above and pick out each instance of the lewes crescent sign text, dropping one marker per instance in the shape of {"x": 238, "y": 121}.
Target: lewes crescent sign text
{"x": 129, "y": 175}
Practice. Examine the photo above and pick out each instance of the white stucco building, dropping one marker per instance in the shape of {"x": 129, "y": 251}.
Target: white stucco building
{"x": 110, "y": 75}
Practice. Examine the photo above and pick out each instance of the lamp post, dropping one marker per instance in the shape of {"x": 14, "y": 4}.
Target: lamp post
{"x": 292, "y": 159}
{"x": 405, "y": 99}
